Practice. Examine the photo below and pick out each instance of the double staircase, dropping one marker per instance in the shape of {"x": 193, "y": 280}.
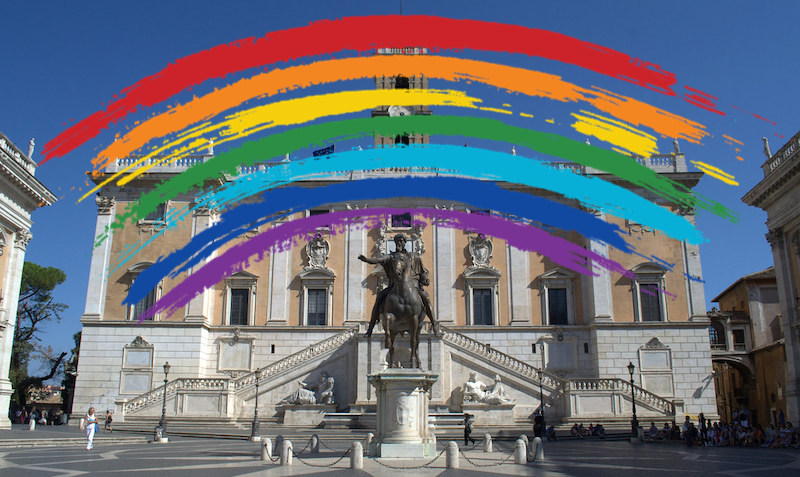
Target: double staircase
{"x": 565, "y": 395}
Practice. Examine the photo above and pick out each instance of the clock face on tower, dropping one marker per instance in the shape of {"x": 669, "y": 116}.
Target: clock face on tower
{"x": 401, "y": 111}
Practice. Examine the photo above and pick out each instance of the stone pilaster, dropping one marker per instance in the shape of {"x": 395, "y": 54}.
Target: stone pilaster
{"x": 696, "y": 298}
{"x": 8, "y": 314}
{"x": 518, "y": 279}
{"x": 444, "y": 262}
{"x": 355, "y": 244}
{"x": 279, "y": 288}
{"x": 199, "y": 308}
{"x": 101, "y": 257}
{"x": 601, "y": 283}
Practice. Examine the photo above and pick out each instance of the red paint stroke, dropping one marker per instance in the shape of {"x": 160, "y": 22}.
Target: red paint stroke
{"x": 356, "y": 35}
{"x": 702, "y": 100}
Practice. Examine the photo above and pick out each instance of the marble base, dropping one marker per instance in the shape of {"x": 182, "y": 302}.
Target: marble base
{"x": 402, "y": 428}
{"x": 306, "y": 415}
{"x": 490, "y": 414}
{"x": 405, "y": 451}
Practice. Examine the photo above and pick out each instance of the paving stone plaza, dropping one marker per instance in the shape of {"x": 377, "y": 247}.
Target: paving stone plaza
{"x": 226, "y": 457}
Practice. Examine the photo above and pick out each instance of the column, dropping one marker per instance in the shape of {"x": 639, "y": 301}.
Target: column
{"x": 518, "y": 279}
{"x": 791, "y": 333}
{"x": 601, "y": 283}
{"x": 444, "y": 262}
{"x": 199, "y": 308}
{"x": 11, "y": 292}
{"x": 101, "y": 257}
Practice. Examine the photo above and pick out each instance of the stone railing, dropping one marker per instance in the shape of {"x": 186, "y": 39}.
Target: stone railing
{"x": 623, "y": 387}
{"x": 783, "y": 155}
{"x": 178, "y": 165}
{"x": 156, "y": 396}
{"x": 16, "y": 154}
{"x": 473, "y": 346}
{"x": 663, "y": 162}
{"x": 296, "y": 359}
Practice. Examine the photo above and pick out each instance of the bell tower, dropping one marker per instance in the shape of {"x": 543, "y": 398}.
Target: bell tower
{"x": 401, "y": 82}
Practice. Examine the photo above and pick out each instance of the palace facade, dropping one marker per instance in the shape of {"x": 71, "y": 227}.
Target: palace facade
{"x": 549, "y": 334}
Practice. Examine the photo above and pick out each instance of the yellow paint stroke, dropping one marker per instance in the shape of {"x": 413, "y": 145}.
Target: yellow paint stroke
{"x": 495, "y": 110}
{"x": 715, "y": 172}
{"x": 526, "y": 115}
{"x": 512, "y": 79}
{"x": 551, "y": 121}
{"x": 506, "y": 105}
{"x": 732, "y": 139}
{"x": 615, "y": 132}
{"x": 291, "y": 112}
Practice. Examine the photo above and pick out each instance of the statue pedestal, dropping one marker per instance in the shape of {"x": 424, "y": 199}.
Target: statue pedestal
{"x": 306, "y": 415}
{"x": 490, "y": 414}
{"x": 402, "y": 413}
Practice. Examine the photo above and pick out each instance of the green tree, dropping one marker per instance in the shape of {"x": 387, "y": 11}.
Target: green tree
{"x": 36, "y": 307}
{"x": 70, "y": 373}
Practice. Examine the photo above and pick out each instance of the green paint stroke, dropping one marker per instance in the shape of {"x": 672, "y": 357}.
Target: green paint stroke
{"x": 249, "y": 153}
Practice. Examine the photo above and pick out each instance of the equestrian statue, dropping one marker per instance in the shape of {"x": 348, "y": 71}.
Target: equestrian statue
{"x": 403, "y": 305}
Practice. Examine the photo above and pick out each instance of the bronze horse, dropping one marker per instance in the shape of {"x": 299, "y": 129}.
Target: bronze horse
{"x": 403, "y": 310}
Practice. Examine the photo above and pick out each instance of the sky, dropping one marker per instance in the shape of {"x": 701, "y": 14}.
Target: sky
{"x": 62, "y": 61}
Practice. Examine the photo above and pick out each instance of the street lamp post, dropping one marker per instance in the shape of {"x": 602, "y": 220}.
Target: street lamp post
{"x": 254, "y": 431}
{"x": 634, "y": 421}
{"x": 163, "y": 422}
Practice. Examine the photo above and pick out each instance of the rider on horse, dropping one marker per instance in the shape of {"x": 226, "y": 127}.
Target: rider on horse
{"x": 420, "y": 273}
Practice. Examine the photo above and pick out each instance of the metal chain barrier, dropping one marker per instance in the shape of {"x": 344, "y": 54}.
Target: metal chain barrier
{"x": 493, "y": 464}
{"x": 326, "y": 446}
{"x": 304, "y": 462}
{"x": 413, "y": 467}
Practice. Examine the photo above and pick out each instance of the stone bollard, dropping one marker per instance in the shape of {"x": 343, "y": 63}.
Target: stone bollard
{"x": 487, "y": 442}
{"x": 368, "y": 443}
{"x": 538, "y": 450}
{"x": 32, "y": 425}
{"x": 520, "y": 452}
{"x": 525, "y": 440}
{"x": 266, "y": 449}
{"x": 452, "y": 455}
{"x": 286, "y": 453}
{"x": 357, "y": 456}
{"x": 314, "y": 444}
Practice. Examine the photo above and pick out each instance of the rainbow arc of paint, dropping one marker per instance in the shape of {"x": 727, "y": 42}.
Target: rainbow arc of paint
{"x": 622, "y": 123}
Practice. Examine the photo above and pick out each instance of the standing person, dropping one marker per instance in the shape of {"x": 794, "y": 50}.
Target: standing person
{"x": 91, "y": 427}
{"x": 703, "y": 429}
{"x": 109, "y": 419}
{"x": 538, "y": 425}
{"x": 469, "y": 421}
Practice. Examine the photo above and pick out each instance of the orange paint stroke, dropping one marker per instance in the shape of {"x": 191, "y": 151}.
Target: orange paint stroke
{"x": 740, "y": 158}
{"x": 532, "y": 83}
{"x": 732, "y": 139}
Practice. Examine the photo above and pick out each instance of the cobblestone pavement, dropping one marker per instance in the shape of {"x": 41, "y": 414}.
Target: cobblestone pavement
{"x": 214, "y": 457}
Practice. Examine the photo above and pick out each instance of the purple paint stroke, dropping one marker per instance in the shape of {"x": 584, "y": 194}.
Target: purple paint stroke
{"x": 284, "y": 236}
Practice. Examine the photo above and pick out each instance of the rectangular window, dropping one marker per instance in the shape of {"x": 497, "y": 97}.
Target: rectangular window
{"x": 401, "y": 221}
{"x": 240, "y": 306}
{"x": 738, "y": 340}
{"x": 157, "y": 215}
{"x": 482, "y": 306}
{"x": 557, "y": 306}
{"x": 143, "y": 305}
{"x": 650, "y": 302}
{"x": 317, "y": 307}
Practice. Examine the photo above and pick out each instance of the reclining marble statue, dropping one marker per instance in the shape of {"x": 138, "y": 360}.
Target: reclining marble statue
{"x": 477, "y": 392}
{"x": 307, "y": 393}
{"x": 403, "y": 305}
